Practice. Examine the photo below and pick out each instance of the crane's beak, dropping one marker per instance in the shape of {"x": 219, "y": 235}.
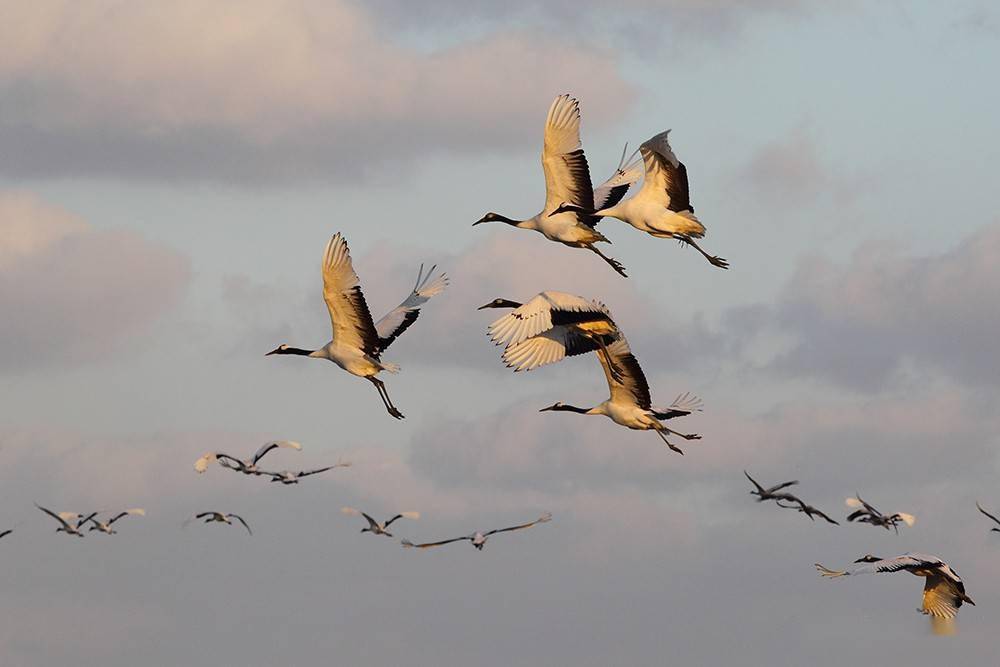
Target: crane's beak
{"x": 485, "y": 306}
{"x": 551, "y": 407}
{"x": 479, "y": 222}
{"x": 274, "y": 351}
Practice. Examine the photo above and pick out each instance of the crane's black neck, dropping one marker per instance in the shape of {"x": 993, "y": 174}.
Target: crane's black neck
{"x": 570, "y": 408}
{"x": 293, "y": 350}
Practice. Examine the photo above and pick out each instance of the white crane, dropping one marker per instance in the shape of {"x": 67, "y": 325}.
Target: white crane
{"x": 66, "y": 520}
{"x": 245, "y": 466}
{"x": 358, "y": 342}
{"x": 995, "y": 520}
{"x": 219, "y": 517}
{"x": 549, "y": 327}
{"x": 630, "y": 404}
{"x": 477, "y": 539}
{"x": 293, "y": 476}
{"x": 376, "y": 528}
{"x": 662, "y": 207}
{"x": 106, "y": 526}
{"x": 567, "y": 180}
{"x": 866, "y": 513}
{"x": 944, "y": 591}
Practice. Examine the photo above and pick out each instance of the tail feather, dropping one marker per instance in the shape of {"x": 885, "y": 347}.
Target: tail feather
{"x": 389, "y": 367}
{"x": 691, "y": 226}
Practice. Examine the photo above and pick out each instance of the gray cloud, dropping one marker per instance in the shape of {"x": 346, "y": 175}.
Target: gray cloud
{"x": 74, "y": 294}
{"x": 263, "y": 90}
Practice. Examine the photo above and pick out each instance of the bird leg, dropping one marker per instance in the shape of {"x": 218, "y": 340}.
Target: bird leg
{"x": 384, "y": 395}
{"x": 615, "y": 264}
{"x": 686, "y": 436}
{"x": 712, "y": 259}
{"x": 668, "y": 443}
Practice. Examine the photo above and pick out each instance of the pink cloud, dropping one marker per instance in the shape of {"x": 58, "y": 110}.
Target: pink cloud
{"x": 261, "y": 88}
{"x": 76, "y": 294}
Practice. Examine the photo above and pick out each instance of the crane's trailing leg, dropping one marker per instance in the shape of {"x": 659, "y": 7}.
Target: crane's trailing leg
{"x": 615, "y": 264}
{"x": 384, "y": 395}
{"x": 712, "y": 259}
{"x": 669, "y": 444}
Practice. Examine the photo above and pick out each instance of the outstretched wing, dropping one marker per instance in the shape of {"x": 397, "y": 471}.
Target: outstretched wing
{"x": 567, "y": 176}
{"x": 306, "y": 473}
{"x": 543, "y": 312}
{"x": 760, "y": 489}
{"x": 427, "y": 545}
{"x": 265, "y": 448}
{"x": 940, "y": 597}
{"x": 403, "y": 515}
{"x": 137, "y": 511}
{"x": 980, "y": 508}
{"x": 57, "y": 517}
{"x": 349, "y": 314}
{"x": 633, "y": 388}
{"x": 613, "y": 190}
{"x": 545, "y": 518}
{"x": 240, "y": 519}
{"x": 546, "y": 348}
{"x": 398, "y": 320}
{"x": 666, "y": 177}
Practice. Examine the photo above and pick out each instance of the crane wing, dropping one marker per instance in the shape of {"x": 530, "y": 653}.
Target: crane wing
{"x": 980, "y": 508}
{"x": 275, "y": 444}
{"x": 349, "y": 314}
{"x": 240, "y": 519}
{"x": 633, "y": 388}
{"x": 427, "y": 545}
{"x": 613, "y": 190}
{"x": 58, "y": 517}
{"x": 402, "y": 316}
{"x": 666, "y": 177}
{"x": 545, "y": 518}
{"x": 546, "y": 348}
{"x": 541, "y": 313}
{"x": 567, "y": 175}
{"x": 940, "y": 597}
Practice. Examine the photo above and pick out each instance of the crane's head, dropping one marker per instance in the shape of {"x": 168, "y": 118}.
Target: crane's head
{"x": 558, "y": 405}
{"x": 494, "y": 217}
{"x": 281, "y": 349}
{"x": 868, "y": 558}
{"x": 500, "y": 303}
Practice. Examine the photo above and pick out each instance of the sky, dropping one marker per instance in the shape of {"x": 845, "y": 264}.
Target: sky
{"x": 172, "y": 172}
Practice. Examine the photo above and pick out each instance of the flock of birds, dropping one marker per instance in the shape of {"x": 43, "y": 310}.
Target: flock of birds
{"x": 544, "y": 330}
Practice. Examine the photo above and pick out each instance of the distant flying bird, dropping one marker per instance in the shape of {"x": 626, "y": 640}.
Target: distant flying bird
{"x": 106, "y": 526}
{"x": 219, "y": 517}
{"x": 567, "y": 180}
{"x": 478, "y": 539}
{"x": 944, "y": 591}
{"x": 630, "y": 404}
{"x": 376, "y": 528}
{"x": 772, "y": 492}
{"x": 293, "y": 477}
{"x": 995, "y": 520}
{"x": 808, "y": 510}
{"x": 245, "y": 466}
{"x": 866, "y": 513}
{"x": 358, "y": 342}
{"x": 550, "y": 327}
{"x": 662, "y": 207}
{"x": 65, "y": 520}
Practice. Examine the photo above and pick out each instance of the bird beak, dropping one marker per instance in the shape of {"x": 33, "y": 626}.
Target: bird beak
{"x": 487, "y": 305}
{"x": 480, "y": 221}
{"x": 274, "y": 351}
{"x": 547, "y": 409}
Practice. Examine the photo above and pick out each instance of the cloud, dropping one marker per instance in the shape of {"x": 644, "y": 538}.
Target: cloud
{"x": 264, "y": 90}
{"x": 74, "y": 294}
{"x": 860, "y": 323}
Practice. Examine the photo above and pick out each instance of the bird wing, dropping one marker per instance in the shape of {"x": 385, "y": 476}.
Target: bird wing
{"x": 684, "y": 404}
{"x": 940, "y": 597}
{"x": 240, "y": 519}
{"x": 265, "y": 448}
{"x": 349, "y": 314}
{"x": 398, "y": 320}
{"x": 783, "y": 485}
{"x": 57, "y": 517}
{"x": 666, "y": 176}
{"x": 387, "y": 523}
{"x": 908, "y": 519}
{"x": 980, "y": 508}
{"x": 904, "y": 562}
{"x": 542, "y": 519}
{"x": 857, "y": 514}
{"x": 546, "y": 348}
{"x": 5, "y": 533}
{"x": 541, "y": 313}
{"x": 84, "y": 519}
{"x": 306, "y": 473}
{"x": 427, "y": 545}
{"x": 760, "y": 489}
{"x": 633, "y": 388}
{"x": 567, "y": 175}
{"x": 812, "y": 510}
{"x": 613, "y": 190}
